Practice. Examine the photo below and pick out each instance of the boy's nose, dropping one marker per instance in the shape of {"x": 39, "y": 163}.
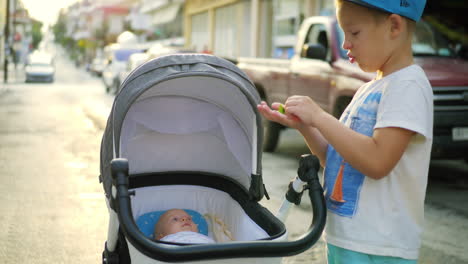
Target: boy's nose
{"x": 346, "y": 45}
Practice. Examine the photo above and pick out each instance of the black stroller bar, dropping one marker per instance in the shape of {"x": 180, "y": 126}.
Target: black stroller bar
{"x": 242, "y": 249}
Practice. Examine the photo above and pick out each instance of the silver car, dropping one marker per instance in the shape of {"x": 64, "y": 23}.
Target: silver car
{"x": 40, "y": 68}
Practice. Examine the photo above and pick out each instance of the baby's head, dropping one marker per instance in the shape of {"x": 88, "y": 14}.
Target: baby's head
{"x": 173, "y": 221}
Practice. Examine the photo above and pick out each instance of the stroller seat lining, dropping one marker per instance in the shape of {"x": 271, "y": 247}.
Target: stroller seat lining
{"x": 188, "y": 107}
{"x": 201, "y": 199}
{"x": 203, "y": 152}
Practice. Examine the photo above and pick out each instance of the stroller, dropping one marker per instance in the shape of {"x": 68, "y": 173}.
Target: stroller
{"x": 184, "y": 132}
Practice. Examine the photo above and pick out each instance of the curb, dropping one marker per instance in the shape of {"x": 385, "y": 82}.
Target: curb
{"x": 97, "y": 113}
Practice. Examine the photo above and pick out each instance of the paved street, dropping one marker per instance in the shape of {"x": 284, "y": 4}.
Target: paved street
{"x": 52, "y": 208}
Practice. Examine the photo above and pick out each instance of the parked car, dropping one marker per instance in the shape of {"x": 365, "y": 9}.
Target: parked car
{"x": 135, "y": 60}
{"x": 40, "y": 68}
{"x": 117, "y": 56}
{"x": 320, "y": 69}
{"x": 97, "y": 66}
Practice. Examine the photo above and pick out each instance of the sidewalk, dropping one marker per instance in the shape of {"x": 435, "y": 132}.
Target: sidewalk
{"x": 15, "y": 76}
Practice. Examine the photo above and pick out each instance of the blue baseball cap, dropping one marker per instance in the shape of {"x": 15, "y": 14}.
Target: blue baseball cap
{"x": 411, "y": 9}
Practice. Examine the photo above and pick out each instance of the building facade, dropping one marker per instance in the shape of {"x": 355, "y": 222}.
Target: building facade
{"x": 3, "y": 8}
{"x": 165, "y": 17}
{"x": 226, "y": 28}
{"x": 247, "y": 28}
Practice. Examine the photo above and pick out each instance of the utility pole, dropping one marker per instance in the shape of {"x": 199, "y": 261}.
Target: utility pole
{"x": 7, "y": 42}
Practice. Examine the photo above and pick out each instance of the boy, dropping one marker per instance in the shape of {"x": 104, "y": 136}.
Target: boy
{"x": 176, "y": 225}
{"x": 376, "y": 157}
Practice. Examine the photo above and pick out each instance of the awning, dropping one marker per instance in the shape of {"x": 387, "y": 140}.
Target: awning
{"x": 150, "y": 6}
{"x": 165, "y": 14}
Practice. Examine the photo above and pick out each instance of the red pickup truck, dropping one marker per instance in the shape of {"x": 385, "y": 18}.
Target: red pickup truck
{"x": 320, "y": 69}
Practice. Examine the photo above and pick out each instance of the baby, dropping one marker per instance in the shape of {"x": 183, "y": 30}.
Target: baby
{"x": 176, "y": 225}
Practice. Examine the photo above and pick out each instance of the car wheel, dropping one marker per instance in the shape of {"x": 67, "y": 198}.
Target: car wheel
{"x": 271, "y": 134}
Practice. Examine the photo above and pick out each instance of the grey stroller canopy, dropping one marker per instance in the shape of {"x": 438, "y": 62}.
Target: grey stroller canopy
{"x": 191, "y": 117}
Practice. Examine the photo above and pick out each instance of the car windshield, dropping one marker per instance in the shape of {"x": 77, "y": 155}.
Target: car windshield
{"x": 429, "y": 42}
{"x": 123, "y": 54}
{"x": 426, "y": 42}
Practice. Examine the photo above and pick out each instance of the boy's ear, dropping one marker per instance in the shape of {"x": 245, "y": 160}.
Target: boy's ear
{"x": 397, "y": 25}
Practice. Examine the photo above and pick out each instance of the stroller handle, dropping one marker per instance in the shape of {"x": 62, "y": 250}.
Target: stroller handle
{"x": 241, "y": 249}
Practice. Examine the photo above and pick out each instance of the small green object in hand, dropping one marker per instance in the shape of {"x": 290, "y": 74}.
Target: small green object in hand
{"x": 281, "y": 109}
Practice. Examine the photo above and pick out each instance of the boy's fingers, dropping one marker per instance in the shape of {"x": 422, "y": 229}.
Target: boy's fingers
{"x": 270, "y": 114}
{"x": 275, "y": 105}
{"x": 295, "y": 118}
{"x": 263, "y": 108}
{"x": 265, "y": 111}
{"x": 277, "y": 115}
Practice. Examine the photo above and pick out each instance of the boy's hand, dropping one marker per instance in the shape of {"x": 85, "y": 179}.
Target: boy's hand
{"x": 304, "y": 108}
{"x": 274, "y": 114}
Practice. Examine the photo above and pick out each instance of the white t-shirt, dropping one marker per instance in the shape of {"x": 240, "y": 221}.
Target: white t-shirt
{"x": 383, "y": 217}
{"x": 188, "y": 237}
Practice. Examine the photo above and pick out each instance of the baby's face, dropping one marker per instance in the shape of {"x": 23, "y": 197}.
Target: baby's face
{"x": 174, "y": 221}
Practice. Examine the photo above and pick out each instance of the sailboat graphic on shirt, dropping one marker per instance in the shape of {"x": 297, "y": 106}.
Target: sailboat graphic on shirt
{"x": 337, "y": 192}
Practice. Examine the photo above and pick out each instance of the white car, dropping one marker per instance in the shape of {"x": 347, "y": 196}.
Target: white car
{"x": 135, "y": 60}
{"x": 97, "y": 66}
{"x": 117, "y": 62}
{"x": 40, "y": 68}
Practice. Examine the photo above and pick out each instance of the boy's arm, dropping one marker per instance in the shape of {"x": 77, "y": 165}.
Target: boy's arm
{"x": 316, "y": 142}
{"x": 374, "y": 156}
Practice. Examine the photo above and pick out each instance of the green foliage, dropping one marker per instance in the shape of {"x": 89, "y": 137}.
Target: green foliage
{"x": 36, "y": 33}
{"x": 60, "y": 30}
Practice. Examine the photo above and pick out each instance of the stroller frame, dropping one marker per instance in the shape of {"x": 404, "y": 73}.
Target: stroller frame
{"x": 308, "y": 173}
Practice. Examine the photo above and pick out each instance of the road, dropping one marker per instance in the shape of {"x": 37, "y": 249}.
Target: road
{"x": 52, "y": 207}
